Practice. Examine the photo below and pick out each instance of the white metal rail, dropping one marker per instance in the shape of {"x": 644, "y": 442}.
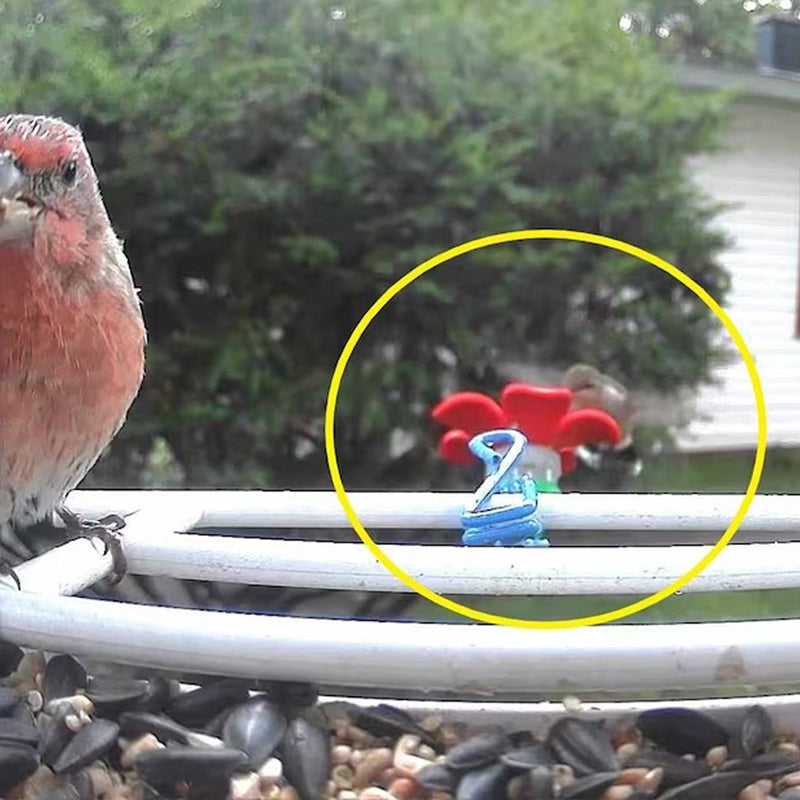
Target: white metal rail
{"x": 466, "y": 658}
{"x": 473, "y": 659}
{"x": 155, "y": 544}
{"x": 573, "y": 511}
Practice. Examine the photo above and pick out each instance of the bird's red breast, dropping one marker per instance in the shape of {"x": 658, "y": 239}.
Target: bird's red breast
{"x": 71, "y": 362}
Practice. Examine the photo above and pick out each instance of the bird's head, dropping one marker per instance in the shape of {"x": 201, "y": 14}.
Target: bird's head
{"x": 52, "y": 218}
{"x": 49, "y": 197}
{"x": 582, "y": 376}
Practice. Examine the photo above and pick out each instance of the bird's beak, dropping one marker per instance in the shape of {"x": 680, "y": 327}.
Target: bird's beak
{"x": 11, "y": 178}
{"x": 17, "y": 211}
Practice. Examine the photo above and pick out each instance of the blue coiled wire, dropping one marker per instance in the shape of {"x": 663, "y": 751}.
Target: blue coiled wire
{"x": 515, "y": 523}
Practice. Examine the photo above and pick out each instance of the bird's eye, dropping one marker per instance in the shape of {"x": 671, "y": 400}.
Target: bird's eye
{"x": 69, "y": 172}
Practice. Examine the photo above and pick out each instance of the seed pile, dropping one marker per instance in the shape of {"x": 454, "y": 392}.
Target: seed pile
{"x": 67, "y": 736}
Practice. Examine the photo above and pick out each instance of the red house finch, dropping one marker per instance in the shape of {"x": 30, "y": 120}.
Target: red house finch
{"x": 71, "y": 330}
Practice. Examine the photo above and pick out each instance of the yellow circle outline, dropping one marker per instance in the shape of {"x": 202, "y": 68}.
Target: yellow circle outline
{"x": 516, "y": 236}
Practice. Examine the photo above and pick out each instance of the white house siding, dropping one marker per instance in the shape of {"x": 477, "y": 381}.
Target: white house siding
{"x": 759, "y": 172}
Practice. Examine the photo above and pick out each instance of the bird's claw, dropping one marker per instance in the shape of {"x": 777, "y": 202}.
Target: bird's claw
{"x": 8, "y": 571}
{"x": 107, "y": 529}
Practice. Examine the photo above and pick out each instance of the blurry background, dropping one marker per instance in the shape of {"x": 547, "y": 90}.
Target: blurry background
{"x": 274, "y": 165}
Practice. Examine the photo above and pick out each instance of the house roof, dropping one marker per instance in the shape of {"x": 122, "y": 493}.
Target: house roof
{"x": 760, "y": 83}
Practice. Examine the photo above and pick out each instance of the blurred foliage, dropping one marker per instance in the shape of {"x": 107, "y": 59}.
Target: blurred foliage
{"x": 274, "y": 165}
{"x": 715, "y": 29}
{"x": 703, "y": 30}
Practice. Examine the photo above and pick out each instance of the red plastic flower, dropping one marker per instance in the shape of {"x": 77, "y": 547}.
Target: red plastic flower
{"x": 540, "y": 412}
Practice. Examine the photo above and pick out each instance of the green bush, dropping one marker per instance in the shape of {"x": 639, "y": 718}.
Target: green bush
{"x": 273, "y": 166}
